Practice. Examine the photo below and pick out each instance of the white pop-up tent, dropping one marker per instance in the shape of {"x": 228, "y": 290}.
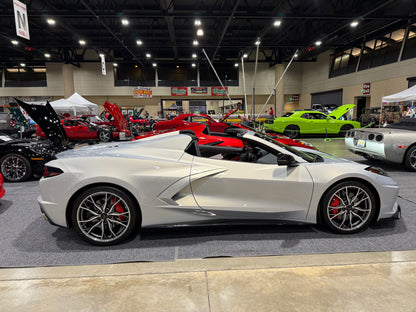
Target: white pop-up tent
{"x": 403, "y": 96}
{"x": 75, "y": 105}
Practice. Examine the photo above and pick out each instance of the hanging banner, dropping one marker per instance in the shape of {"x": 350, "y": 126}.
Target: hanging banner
{"x": 219, "y": 90}
{"x": 199, "y": 90}
{"x": 21, "y": 19}
{"x": 103, "y": 71}
{"x": 142, "y": 93}
{"x": 178, "y": 91}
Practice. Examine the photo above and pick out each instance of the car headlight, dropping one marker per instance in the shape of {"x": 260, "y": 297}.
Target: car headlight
{"x": 377, "y": 170}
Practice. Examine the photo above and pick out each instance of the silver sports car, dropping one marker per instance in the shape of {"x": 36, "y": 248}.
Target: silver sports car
{"x": 108, "y": 191}
{"x": 395, "y": 143}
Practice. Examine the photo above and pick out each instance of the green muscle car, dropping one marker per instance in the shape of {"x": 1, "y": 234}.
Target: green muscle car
{"x": 314, "y": 122}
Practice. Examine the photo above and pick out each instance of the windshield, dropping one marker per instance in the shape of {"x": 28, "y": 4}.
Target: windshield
{"x": 304, "y": 156}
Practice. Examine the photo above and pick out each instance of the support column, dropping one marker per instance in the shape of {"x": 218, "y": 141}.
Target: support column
{"x": 68, "y": 79}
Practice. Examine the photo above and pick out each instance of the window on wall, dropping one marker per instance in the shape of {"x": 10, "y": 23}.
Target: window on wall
{"x": 227, "y": 72}
{"x": 345, "y": 62}
{"x": 177, "y": 75}
{"x": 25, "y": 75}
{"x": 410, "y": 47}
{"x": 131, "y": 74}
{"x": 411, "y": 82}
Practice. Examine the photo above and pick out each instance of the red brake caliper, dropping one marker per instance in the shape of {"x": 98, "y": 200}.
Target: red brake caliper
{"x": 119, "y": 209}
{"x": 334, "y": 203}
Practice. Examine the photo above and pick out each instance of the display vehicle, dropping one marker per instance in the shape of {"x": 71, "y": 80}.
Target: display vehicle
{"x": 186, "y": 119}
{"x": 2, "y": 190}
{"x": 301, "y": 122}
{"x": 394, "y": 143}
{"x": 109, "y": 191}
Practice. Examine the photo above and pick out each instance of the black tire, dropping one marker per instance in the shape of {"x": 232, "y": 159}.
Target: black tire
{"x": 15, "y": 168}
{"x": 344, "y": 129}
{"x": 348, "y": 207}
{"x": 104, "y": 135}
{"x": 104, "y": 215}
{"x": 291, "y": 131}
{"x": 410, "y": 159}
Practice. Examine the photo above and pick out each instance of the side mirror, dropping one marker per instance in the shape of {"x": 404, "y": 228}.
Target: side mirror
{"x": 286, "y": 160}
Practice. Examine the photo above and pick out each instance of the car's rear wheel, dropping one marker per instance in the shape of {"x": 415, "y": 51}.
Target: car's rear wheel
{"x": 410, "y": 159}
{"x": 15, "y": 168}
{"x": 348, "y": 207}
{"x": 104, "y": 215}
{"x": 291, "y": 131}
{"x": 344, "y": 129}
{"x": 104, "y": 135}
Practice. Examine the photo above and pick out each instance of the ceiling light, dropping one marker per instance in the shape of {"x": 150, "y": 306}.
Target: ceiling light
{"x": 15, "y": 42}
{"x": 148, "y": 55}
{"x": 235, "y": 64}
{"x": 277, "y": 23}
{"x": 50, "y": 21}
{"x": 200, "y": 32}
{"x": 193, "y": 65}
{"x": 177, "y": 66}
{"x": 245, "y": 55}
{"x": 101, "y": 54}
{"x": 195, "y": 42}
{"x": 354, "y": 24}
{"x": 22, "y": 65}
{"x": 125, "y": 21}
{"x": 139, "y": 42}
{"x": 82, "y": 42}
{"x": 257, "y": 42}
{"x": 318, "y": 43}
{"x": 194, "y": 55}
{"x": 197, "y": 22}
{"x": 296, "y": 55}
{"x": 47, "y": 55}
{"x": 154, "y": 65}
{"x": 115, "y": 64}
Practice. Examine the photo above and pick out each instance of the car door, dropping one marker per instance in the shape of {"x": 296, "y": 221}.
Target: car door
{"x": 253, "y": 190}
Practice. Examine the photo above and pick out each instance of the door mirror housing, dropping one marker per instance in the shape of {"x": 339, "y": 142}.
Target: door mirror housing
{"x": 286, "y": 160}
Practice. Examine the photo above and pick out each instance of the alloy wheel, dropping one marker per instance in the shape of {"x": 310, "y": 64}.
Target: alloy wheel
{"x": 14, "y": 168}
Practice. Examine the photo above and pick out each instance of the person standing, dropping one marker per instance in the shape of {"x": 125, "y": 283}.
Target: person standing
{"x": 271, "y": 113}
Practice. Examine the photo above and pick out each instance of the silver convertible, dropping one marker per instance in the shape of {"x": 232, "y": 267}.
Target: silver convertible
{"x": 394, "y": 143}
{"x": 109, "y": 191}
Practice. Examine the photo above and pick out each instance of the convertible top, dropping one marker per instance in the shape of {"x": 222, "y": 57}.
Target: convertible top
{"x": 405, "y": 124}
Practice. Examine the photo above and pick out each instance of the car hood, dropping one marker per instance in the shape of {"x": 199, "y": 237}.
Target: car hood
{"x": 18, "y": 115}
{"x": 340, "y": 111}
{"x": 228, "y": 114}
{"x": 120, "y": 122}
{"x": 48, "y": 121}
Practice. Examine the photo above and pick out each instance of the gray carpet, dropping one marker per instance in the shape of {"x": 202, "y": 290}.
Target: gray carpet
{"x": 27, "y": 240}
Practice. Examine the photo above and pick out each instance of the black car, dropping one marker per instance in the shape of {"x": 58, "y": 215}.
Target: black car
{"x": 25, "y": 158}
{"x": 22, "y": 159}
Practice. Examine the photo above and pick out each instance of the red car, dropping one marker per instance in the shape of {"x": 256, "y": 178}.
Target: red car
{"x": 2, "y": 191}
{"x": 77, "y": 128}
{"x": 187, "y": 119}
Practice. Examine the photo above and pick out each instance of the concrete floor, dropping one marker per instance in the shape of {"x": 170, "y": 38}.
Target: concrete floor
{"x": 372, "y": 281}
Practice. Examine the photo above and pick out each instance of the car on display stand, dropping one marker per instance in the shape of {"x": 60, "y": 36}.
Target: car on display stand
{"x": 310, "y": 122}
{"x": 171, "y": 180}
{"x": 2, "y": 190}
{"x": 78, "y": 128}
{"x": 394, "y": 143}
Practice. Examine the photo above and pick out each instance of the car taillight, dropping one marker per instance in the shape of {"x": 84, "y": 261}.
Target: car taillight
{"x": 49, "y": 172}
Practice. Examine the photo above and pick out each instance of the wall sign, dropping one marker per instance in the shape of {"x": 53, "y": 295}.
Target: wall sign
{"x": 199, "y": 90}
{"x": 21, "y": 20}
{"x": 142, "y": 93}
{"x": 219, "y": 90}
{"x": 366, "y": 87}
{"x": 178, "y": 91}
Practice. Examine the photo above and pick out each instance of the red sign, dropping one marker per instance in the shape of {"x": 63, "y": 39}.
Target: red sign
{"x": 366, "y": 87}
{"x": 219, "y": 90}
{"x": 178, "y": 91}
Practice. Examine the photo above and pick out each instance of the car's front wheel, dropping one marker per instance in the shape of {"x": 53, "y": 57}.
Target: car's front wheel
{"x": 104, "y": 135}
{"x": 410, "y": 159}
{"x": 15, "y": 168}
{"x": 348, "y": 207}
{"x": 104, "y": 215}
{"x": 291, "y": 131}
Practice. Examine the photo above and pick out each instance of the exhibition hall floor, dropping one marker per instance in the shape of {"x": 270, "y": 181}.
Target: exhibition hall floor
{"x": 270, "y": 268}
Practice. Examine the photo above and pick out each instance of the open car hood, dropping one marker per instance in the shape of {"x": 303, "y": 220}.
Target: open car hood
{"x": 342, "y": 110}
{"x": 120, "y": 122}
{"x": 48, "y": 121}
{"x": 228, "y": 114}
